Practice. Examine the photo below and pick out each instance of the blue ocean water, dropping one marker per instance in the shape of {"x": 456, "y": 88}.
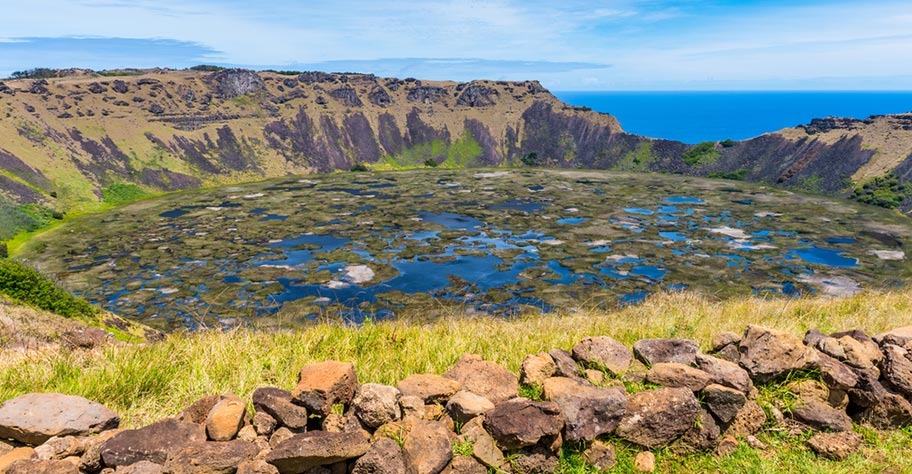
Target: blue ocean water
{"x": 693, "y": 117}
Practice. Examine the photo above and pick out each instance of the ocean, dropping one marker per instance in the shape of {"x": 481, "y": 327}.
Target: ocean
{"x": 693, "y": 117}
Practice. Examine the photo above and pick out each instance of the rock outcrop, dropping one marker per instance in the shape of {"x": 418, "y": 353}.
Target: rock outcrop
{"x": 706, "y": 405}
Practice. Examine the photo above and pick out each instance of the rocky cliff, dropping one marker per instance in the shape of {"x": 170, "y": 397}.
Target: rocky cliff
{"x": 70, "y": 142}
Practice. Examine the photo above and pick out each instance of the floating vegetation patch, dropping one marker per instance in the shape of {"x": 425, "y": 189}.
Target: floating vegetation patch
{"x": 358, "y": 245}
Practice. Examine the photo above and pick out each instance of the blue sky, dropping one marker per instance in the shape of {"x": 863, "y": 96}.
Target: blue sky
{"x": 567, "y": 44}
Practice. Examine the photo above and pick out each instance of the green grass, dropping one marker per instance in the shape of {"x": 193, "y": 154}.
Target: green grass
{"x": 122, "y": 192}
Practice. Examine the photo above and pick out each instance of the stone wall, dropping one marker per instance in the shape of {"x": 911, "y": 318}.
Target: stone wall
{"x": 478, "y": 416}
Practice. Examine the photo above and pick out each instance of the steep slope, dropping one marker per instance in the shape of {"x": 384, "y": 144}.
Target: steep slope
{"x": 69, "y": 143}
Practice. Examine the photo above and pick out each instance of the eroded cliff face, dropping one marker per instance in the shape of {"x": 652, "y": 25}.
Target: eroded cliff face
{"x": 63, "y": 141}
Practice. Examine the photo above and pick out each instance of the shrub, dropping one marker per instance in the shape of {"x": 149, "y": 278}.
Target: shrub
{"x": 26, "y": 285}
{"x": 430, "y": 163}
{"x": 207, "y": 68}
{"x": 727, "y": 143}
{"x": 733, "y": 175}
{"x": 359, "y": 167}
{"x": 701, "y": 153}
{"x": 884, "y": 191}
{"x": 4, "y": 251}
{"x": 530, "y": 159}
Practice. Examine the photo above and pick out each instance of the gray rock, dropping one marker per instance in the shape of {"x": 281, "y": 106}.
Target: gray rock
{"x": 655, "y": 351}
{"x": 723, "y": 402}
{"x": 384, "y": 457}
{"x": 831, "y": 347}
{"x": 835, "y": 374}
{"x": 898, "y": 337}
{"x": 277, "y": 403}
{"x": 427, "y": 447}
{"x": 892, "y": 412}
{"x": 316, "y": 448}
{"x": 565, "y": 365}
{"x": 484, "y": 378}
{"x": 377, "y": 404}
{"x": 702, "y": 436}
{"x": 654, "y": 418}
{"x": 264, "y": 424}
{"x": 603, "y": 352}
{"x": 152, "y": 443}
{"x": 768, "y": 354}
{"x": 230, "y": 83}
{"x": 821, "y": 416}
{"x": 868, "y": 391}
{"x": 520, "y": 422}
{"x": 591, "y": 412}
{"x": 58, "y": 448}
{"x": 36, "y": 417}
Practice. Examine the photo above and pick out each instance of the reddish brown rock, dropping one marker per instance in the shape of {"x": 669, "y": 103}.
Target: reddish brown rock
{"x": 58, "y": 448}
{"x": 678, "y": 375}
{"x": 654, "y": 418}
{"x": 256, "y": 467}
{"x": 430, "y": 388}
{"x": 484, "y": 448}
{"x": 536, "y": 368}
{"x": 464, "y": 406}
{"x": 748, "y": 421}
{"x": 152, "y": 443}
{"x": 723, "y": 339}
{"x": 211, "y": 458}
{"x": 226, "y": 418}
{"x": 897, "y": 369}
{"x": 565, "y": 364}
{"x": 836, "y": 446}
{"x": 484, "y": 378}
{"x": 521, "y": 422}
{"x": 36, "y": 417}
{"x": 464, "y": 465}
{"x": 324, "y": 384}
{"x": 91, "y": 459}
{"x": 768, "y": 354}
{"x": 37, "y": 466}
{"x": 600, "y": 455}
{"x": 427, "y": 447}
{"x": 702, "y": 436}
{"x": 198, "y": 410}
{"x": 303, "y": 451}
{"x": 645, "y": 461}
{"x": 13, "y": 455}
{"x": 603, "y": 352}
{"x": 725, "y": 373}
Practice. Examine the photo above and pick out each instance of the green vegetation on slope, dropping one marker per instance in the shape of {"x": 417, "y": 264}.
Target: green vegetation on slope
{"x": 701, "y": 154}
{"x": 122, "y": 192}
{"x": 16, "y": 218}
{"x": 884, "y": 191}
{"x": 26, "y": 285}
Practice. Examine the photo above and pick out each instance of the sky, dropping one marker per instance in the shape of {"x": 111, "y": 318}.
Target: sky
{"x": 566, "y": 44}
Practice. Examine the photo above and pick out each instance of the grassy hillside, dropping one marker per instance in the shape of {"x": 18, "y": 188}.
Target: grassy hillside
{"x": 146, "y": 383}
